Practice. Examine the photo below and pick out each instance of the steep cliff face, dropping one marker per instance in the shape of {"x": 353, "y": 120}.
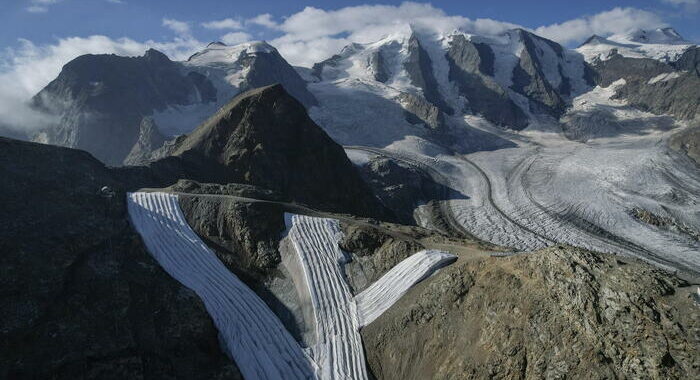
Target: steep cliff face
{"x": 101, "y": 100}
{"x": 419, "y": 67}
{"x": 471, "y": 69}
{"x": 654, "y": 86}
{"x": 529, "y": 78}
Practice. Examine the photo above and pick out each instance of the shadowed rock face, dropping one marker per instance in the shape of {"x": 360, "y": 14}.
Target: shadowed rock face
{"x": 149, "y": 140}
{"x": 100, "y": 100}
{"x": 654, "y": 86}
{"x": 560, "y": 312}
{"x": 377, "y": 64}
{"x": 688, "y": 142}
{"x": 268, "y": 68}
{"x": 471, "y": 68}
{"x": 419, "y": 111}
{"x": 689, "y": 61}
{"x": 81, "y": 297}
{"x": 529, "y": 80}
{"x": 420, "y": 70}
{"x": 265, "y": 138}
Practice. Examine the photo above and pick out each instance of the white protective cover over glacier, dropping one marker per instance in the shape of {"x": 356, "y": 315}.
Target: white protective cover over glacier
{"x": 338, "y": 315}
{"x": 251, "y": 333}
{"x": 378, "y": 297}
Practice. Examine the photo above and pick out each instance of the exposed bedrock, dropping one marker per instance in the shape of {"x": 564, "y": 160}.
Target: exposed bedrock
{"x": 420, "y": 70}
{"x": 81, "y": 297}
{"x": 688, "y": 142}
{"x": 529, "y": 80}
{"x": 100, "y": 100}
{"x": 401, "y": 188}
{"x": 559, "y": 312}
{"x": 419, "y": 111}
{"x": 654, "y": 86}
{"x": 471, "y": 69}
{"x": 373, "y": 253}
{"x": 265, "y": 138}
{"x": 149, "y": 140}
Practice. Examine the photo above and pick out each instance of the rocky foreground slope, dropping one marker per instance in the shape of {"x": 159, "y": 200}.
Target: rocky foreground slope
{"x": 98, "y": 305}
{"x": 558, "y": 313}
{"x": 81, "y": 297}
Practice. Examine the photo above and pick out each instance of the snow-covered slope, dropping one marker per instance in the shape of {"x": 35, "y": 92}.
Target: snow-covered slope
{"x": 250, "y": 332}
{"x": 664, "y": 44}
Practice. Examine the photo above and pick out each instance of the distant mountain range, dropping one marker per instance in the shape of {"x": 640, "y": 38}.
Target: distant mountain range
{"x": 120, "y": 108}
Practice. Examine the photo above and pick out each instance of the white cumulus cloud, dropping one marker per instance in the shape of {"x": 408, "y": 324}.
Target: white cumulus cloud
{"x": 227, "y": 23}
{"x": 235, "y": 38}
{"x": 314, "y": 34}
{"x": 179, "y": 27}
{"x": 616, "y": 20}
{"x": 264, "y": 19}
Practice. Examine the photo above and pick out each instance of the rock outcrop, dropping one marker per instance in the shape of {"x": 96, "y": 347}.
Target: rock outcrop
{"x": 530, "y": 80}
{"x": 149, "y": 140}
{"x": 471, "y": 69}
{"x": 265, "y": 138}
{"x": 560, "y": 312}
{"x": 419, "y": 111}
{"x": 419, "y": 67}
{"x": 81, "y": 297}
{"x": 654, "y": 86}
{"x": 100, "y": 100}
{"x": 688, "y": 142}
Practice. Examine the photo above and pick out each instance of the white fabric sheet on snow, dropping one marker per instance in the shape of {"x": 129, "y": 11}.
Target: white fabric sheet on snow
{"x": 378, "y": 297}
{"x": 252, "y": 334}
{"x": 339, "y": 315}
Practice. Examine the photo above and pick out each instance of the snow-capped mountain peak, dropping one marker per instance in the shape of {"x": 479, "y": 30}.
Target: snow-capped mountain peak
{"x": 664, "y": 44}
{"x": 655, "y": 36}
{"x": 218, "y": 52}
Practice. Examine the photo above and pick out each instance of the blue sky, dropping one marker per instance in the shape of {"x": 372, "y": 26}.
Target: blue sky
{"x": 141, "y": 19}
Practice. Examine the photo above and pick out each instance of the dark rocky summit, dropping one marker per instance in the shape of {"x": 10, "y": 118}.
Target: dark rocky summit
{"x": 81, "y": 297}
{"x": 101, "y": 100}
{"x": 265, "y": 138}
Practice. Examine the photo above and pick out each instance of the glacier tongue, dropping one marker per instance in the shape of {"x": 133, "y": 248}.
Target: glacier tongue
{"x": 251, "y": 333}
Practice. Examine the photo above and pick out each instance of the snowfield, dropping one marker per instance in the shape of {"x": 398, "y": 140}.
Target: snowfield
{"x": 250, "y": 332}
